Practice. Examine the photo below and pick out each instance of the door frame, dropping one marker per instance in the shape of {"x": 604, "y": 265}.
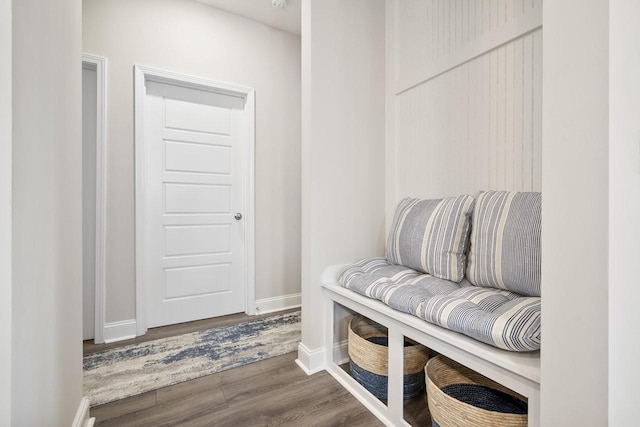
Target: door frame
{"x": 143, "y": 74}
{"x": 99, "y": 64}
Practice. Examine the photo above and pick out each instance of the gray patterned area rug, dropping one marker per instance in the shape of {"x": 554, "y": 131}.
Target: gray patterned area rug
{"x": 126, "y": 371}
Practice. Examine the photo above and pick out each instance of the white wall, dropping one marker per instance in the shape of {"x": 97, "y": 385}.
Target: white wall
{"x": 5, "y": 212}
{"x": 192, "y": 38}
{"x": 464, "y": 104}
{"x": 89, "y": 117}
{"x": 47, "y": 320}
{"x": 342, "y": 147}
{"x": 575, "y": 221}
{"x": 624, "y": 210}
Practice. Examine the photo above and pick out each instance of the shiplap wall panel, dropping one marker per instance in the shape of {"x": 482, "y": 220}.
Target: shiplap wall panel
{"x": 475, "y": 125}
{"x": 429, "y": 30}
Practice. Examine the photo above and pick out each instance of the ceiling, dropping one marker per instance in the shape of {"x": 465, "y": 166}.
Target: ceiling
{"x": 287, "y": 19}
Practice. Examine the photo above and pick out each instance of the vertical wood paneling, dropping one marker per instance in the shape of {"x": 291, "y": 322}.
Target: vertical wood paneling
{"x": 517, "y": 158}
{"x": 478, "y": 126}
{"x": 527, "y": 116}
{"x": 501, "y": 119}
{"x": 446, "y": 27}
{"x": 464, "y": 23}
{"x": 472, "y": 18}
{"x": 509, "y": 153}
{"x": 509, "y": 10}
{"x": 493, "y": 113}
{"x": 493, "y": 13}
{"x": 441, "y": 23}
{"x": 431, "y": 31}
{"x": 537, "y": 110}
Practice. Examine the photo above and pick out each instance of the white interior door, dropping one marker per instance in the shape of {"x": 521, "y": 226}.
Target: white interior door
{"x": 195, "y": 144}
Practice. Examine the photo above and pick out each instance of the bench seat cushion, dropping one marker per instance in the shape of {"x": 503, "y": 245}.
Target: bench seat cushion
{"x": 500, "y": 318}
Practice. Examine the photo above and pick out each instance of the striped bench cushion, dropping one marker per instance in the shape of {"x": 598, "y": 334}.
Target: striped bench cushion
{"x": 505, "y": 242}
{"x": 499, "y": 318}
{"x": 431, "y": 236}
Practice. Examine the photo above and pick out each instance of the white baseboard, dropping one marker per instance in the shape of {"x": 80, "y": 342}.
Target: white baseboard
{"x": 82, "y": 418}
{"x": 341, "y": 352}
{"x": 311, "y": 361}
{"x": 118, "y": 331}
{"x": 284, "y": 302}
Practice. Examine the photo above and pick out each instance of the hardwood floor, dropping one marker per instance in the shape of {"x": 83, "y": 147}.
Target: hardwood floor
{"x": 273, "y": 392}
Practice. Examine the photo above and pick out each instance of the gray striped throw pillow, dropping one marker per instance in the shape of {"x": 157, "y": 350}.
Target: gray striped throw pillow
{"x": 505, "y": 242}
{"x": 431, "y": 236}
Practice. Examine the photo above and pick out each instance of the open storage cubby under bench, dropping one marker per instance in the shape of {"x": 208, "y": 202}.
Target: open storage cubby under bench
{"x": 518, "y": 371}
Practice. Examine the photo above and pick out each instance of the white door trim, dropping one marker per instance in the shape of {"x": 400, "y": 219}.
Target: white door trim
{"x": 99, "y": 64}
{"x": 142, "y": 75}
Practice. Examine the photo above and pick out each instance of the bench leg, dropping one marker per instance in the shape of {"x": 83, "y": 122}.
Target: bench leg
{"x": 534, "y": 409}
{"x": 395, "y": 391}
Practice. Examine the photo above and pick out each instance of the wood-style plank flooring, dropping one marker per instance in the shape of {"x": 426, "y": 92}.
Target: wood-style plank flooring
{"x": 273, "y": 392}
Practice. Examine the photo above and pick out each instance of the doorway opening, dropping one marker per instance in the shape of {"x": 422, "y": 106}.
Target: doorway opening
{"x": 93, "y": 195}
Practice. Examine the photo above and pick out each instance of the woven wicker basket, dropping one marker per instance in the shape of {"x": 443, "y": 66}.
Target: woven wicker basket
{"x": 368, "y": 354}
{"x": 447, "y": 411}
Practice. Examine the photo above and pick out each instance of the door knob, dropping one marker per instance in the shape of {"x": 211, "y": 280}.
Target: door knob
{"x": 238, "y": 216}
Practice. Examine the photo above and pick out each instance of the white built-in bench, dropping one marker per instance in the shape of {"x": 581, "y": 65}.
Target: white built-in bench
{"x": 519, "y": 371}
